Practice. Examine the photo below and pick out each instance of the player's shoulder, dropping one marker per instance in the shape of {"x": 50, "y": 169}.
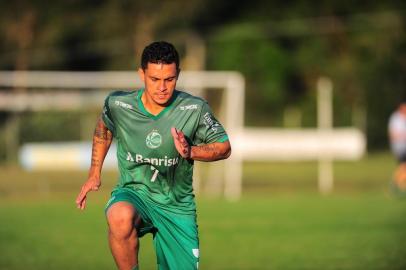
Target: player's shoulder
{"x": 189, "y": 99}
{"x": 119, "y": 99}
{"x": 121, "y": 93}
{"x": 119, "y": 96}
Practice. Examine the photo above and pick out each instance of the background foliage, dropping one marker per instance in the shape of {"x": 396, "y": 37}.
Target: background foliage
{"x": 281, "y": 48}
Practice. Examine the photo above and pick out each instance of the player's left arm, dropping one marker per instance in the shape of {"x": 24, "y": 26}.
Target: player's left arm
{"x": 211, "y": 151}
{"x": 206, "y": 152}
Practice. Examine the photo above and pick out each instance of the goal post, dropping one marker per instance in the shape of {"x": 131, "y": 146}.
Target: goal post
{"x": 94, "y": 87}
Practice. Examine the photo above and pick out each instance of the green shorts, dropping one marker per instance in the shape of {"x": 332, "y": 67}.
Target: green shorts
{"x": 175, "y": 236}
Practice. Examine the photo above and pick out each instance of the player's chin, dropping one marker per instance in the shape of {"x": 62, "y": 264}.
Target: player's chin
{"x": 162, "y": 99}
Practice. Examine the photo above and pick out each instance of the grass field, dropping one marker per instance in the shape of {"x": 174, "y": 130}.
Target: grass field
{"x": 281, "y": 222}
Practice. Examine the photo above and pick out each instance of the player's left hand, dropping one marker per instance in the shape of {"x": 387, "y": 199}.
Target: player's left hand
{"x": 181, "y": 143}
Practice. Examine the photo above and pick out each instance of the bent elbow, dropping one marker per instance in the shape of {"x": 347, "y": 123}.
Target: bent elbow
{"x": 227, "y": 151}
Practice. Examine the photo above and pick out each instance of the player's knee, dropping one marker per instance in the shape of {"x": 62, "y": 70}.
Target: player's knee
{"x": 120, "y": 219}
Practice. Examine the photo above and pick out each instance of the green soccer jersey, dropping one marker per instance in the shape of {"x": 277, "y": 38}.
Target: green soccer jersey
{"x": 148, "y": 161}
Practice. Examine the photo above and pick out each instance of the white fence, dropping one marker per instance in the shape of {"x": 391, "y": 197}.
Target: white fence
{"x": 324, "y": 143}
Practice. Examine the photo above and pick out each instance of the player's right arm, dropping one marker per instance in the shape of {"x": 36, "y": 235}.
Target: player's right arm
{"x": 102, "y": 139}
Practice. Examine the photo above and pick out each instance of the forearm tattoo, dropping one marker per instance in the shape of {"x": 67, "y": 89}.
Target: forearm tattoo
{"x": 209, "y": 152}
{"x": 102, "y": 138}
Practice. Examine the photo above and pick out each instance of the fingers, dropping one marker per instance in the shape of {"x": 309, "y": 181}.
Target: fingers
{"x": 92, "y": 184}
{"x": 181, "y": 137}
{"x": 174, "y": 133}
{"x": 184, "y": 143}
{"x": 81, "y": 199}
{"x": 178, "y": 135}
{"x": 82, "y": 204}
{"x": 181, "y": 143}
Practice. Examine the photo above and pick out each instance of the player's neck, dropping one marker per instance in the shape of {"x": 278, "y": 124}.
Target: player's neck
{"x": 151, "y": 106}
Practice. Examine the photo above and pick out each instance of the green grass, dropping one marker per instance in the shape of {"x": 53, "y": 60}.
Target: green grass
{"x": 281, "y": 222}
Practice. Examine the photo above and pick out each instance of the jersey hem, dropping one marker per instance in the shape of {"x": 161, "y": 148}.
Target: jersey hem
{"x": 174, "y": 209}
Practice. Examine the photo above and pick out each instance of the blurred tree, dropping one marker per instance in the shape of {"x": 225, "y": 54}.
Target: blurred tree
{"x": 354, "y": 50}
{"x": 281, "y": 47}
{"x": 265, "y": 64}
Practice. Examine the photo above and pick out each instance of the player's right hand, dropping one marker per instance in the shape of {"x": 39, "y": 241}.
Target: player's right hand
{"x": 92, "y": 184}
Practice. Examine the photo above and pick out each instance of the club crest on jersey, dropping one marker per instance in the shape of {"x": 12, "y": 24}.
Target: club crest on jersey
{"x": 154, "y": 139}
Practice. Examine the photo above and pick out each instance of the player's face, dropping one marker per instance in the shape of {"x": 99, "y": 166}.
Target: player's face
{"x": 160, "y": 82}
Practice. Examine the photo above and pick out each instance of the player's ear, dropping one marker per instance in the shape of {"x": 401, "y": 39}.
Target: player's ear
{"x": 177, "y": 74}
{"x": 141, "y": 73}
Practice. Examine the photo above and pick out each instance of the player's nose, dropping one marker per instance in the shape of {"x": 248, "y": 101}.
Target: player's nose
{"x": 162, "y": 86}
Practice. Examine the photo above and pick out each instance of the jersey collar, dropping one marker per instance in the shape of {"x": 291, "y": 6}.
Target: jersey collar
{"x": 159, "y": 115}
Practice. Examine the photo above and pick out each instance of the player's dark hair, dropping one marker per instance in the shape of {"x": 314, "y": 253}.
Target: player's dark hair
{"x": 159, "y": 52}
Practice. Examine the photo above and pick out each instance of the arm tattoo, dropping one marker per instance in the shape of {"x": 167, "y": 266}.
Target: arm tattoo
{"x": 102, "y": 138}
{"x": 101, "y": 132}
{"x": 95, "y": 156}
{"x": 95, "y": 162}
{"x": 210, "y": 152}
{"x": 209, "y": 149}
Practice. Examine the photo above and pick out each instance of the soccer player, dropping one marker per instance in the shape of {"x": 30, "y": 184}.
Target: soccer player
{"x": 397, "y": 136}
{"x": 159, "y": 132}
